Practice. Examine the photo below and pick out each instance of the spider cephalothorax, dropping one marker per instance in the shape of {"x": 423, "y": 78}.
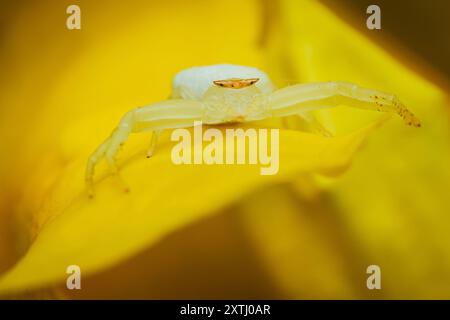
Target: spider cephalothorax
{"x": 231, "y": 93}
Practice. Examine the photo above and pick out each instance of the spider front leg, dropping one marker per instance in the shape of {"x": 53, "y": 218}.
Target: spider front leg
{"x": 168, "y": 114}
{"x": 305, "y": 97}
{"x": 109, "y": 148}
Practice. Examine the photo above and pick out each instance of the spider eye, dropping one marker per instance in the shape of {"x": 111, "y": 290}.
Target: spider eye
{"x": 236, "y": 83}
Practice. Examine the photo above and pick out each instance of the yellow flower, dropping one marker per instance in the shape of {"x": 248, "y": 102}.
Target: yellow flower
{"x": 213, "y": 231}
{"x": 391, "y": 206}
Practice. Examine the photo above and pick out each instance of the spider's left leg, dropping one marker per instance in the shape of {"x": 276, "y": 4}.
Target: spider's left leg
{"x": 310, "y": 120}
{"x": 314, "y": 123}
{"x": 153, "y": 143}
{"x": 305, "y": 97}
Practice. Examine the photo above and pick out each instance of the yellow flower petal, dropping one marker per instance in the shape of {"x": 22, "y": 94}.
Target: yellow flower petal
{"x": 302, "y": 245}
{"x": 393, "y": 201}
{"x": 98, "y": 233}
{"x": 62, "y": 92}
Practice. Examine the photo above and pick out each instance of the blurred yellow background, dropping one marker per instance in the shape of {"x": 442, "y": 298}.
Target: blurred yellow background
{"x": 203, "y": 233}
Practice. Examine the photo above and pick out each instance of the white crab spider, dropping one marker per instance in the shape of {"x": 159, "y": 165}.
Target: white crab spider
{"x": 230, "y": 93}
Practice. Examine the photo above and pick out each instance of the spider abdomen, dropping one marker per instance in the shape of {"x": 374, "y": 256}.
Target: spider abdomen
{"x": 193, "y": 83}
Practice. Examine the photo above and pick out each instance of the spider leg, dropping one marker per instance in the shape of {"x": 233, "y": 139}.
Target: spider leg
{"x": 311, "y": 121}
{"x": 169, "y": 114}
{"x": 306, "y": 97}
{"x": 153, "y": 143}
{"x": 108, "y": 150}
{"x": 93, "y": 159}
{"x": 314, "y": 123}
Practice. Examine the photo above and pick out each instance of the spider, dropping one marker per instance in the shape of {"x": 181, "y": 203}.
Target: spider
{"x": 228, "y": 93}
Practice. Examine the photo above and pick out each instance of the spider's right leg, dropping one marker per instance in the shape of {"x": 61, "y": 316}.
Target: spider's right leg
{"x": 169, "y": 114}
{"x": 108, "y": 150}
{"x": 94, "y": 158}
